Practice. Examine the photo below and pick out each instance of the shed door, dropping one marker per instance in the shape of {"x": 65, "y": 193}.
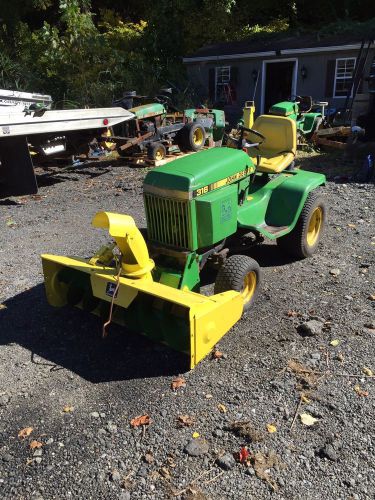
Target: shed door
{"x": 279, "y": 85}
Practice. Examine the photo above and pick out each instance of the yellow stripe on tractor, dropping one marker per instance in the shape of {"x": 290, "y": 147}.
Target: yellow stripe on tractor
{"x": 184, "y": 320}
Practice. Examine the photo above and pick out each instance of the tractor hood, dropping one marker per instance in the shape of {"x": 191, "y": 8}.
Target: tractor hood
{"x": 199, "y": 173}
{"x": 148, "y": 110}
{"x": 285, "y": 108}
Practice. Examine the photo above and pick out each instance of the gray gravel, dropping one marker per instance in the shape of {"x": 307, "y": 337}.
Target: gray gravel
{"x": 51, "y": 359}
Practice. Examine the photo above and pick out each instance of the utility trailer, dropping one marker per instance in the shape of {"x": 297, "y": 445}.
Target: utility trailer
{"x": 49, "y": 131}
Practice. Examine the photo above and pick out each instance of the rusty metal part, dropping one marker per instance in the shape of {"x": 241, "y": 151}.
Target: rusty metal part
{"x": 135, "y": 141}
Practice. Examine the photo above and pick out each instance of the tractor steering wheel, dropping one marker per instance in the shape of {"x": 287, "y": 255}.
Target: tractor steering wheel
{"x": 295, "y": 98}
{"x": 305, "y": 102}
{"x": 242, "y": 141}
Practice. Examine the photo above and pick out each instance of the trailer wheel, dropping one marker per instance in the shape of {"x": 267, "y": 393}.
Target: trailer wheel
{"x": 156, "y": 151}
{"x": 242, "y": 274}
{"x": 304, "y": 239}
{"x": 192, "y": 137}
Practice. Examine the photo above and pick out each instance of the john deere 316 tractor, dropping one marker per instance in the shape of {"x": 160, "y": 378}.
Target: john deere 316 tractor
{"x": 206, "y": 209}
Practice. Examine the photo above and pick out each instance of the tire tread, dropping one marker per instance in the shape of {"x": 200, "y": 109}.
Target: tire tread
{"x": 293, "y": 243}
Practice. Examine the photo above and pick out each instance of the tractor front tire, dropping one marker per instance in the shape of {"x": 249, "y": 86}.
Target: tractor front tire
{"x": 156, "y": 151}
{"x": 192, "y": 137}
{"x": 304, "y": 239}
{"x": 241, "y": 274}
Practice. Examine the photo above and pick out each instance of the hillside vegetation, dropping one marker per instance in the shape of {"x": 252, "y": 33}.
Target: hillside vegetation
{"x": 88, "y": 52}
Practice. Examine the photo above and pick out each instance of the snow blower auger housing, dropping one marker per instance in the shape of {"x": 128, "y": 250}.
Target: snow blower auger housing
{"x": 202, "y": 210}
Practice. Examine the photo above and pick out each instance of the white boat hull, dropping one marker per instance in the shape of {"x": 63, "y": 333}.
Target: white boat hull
{"x": 16, "y": 101}
{"x": 55, "y": 121}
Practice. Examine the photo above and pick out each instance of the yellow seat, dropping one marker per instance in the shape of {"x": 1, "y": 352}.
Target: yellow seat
{"x": 278, "y": 150}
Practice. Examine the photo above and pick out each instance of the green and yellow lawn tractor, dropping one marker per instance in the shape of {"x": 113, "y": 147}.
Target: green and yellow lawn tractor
{"x": 159, "y": 128}
{"x": 307, "y": 114}
{"x": 203, "y": 210}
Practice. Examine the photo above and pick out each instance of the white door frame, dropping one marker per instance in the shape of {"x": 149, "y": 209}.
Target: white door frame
{"x": 264, "y": 73}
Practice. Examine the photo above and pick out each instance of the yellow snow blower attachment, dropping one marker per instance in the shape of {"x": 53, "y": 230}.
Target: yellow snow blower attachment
{"x": 146, "y": 297}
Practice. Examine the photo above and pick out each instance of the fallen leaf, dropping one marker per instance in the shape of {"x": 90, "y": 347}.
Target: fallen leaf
{"x": 367, "y": 371}
{"x": 165, "y": 472}
{"x": 371, "y": 297}
{"x": 243, "y": 455}
{"x": 3, "y": 306}
{"x": 360, "y": 391}
{"x": 23, "y": 433}
{"x": 140, "y": 420}
{"x": 10, "y": 223}
{"x": 305, "y": 399}
{"x": 271, "y": 428}
{"x": 262, "y": 465}
{"x": 35, "y": 444}
{"x": 185, "y": 420}
{"x": 148, "y": 458}
{"x": 307, "y": 419}
{"x": 68, "y": 409}
{"x": 222, "y": 408}
{"x": 292, "y": 314}
{"x": 353, "y": 226}
{"x": 305, "y": 376}
{"x": 178, "y": 382}
{"x": 246, "y": 430}
{"x": 335, "y": 342}
{"x": 171, "y": 462}
{"x": 217, "y": 355}
{"x": 195, "y": 435}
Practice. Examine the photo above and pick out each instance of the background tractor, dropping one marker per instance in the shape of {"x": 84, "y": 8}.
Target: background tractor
{"x": 202, "y": 211}
{"x": 158, "y": 127}
{"x": 307, "y": 114}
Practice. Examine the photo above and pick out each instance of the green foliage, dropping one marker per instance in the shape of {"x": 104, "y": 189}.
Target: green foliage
{"x": 275, "y": 27}
{"x": 80, "y": 61}
{"x": 11, "y": 73}
{"x": 348, "y": 26}
{"x": 90, "y": 51}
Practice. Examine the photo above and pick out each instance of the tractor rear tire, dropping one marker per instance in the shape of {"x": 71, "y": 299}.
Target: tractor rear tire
{"x": 192, "y": 137}
{"x": 242, "y": 274}
{"x": 304, "y": 239}
{"x": 156, "y": 151}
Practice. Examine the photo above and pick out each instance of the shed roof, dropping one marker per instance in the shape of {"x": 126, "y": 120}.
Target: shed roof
{"x": 275, "y": 44}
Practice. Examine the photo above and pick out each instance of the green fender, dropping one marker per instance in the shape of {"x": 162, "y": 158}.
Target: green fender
{"x": 275, "y": 208}
{"x": 309, "y": 122}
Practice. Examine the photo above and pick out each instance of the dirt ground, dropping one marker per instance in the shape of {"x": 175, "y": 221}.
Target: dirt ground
{"x": 78, "y": 392}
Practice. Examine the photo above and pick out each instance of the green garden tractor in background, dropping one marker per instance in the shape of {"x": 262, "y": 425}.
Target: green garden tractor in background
{"x": 308, "y": 115}
{"x": 202, "y": 210}
{"x": 159, "y": 128}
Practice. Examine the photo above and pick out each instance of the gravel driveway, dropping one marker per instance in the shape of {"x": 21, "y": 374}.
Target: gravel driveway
{"x": 306, "y": 348}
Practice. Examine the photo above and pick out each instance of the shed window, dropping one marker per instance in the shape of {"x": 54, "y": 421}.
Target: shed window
{"x": 343, "y": 76}
{"x": 223, "y": 87}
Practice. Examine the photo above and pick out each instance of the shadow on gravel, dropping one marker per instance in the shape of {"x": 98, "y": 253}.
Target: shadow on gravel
{"x": 8, "y": 202}
{"x": 270, "y": 256}
{"x": 68, "y": 338}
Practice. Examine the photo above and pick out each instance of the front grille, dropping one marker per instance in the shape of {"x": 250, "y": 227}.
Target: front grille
{"x": 168, "y": 220}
